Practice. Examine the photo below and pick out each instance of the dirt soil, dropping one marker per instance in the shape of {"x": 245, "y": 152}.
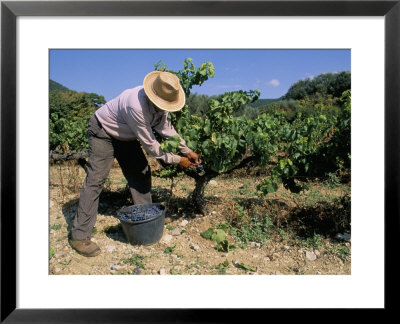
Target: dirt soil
{"x": 182, "y": 250}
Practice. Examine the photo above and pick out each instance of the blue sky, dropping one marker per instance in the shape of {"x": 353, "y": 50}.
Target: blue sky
{"x": 109, "y": 72}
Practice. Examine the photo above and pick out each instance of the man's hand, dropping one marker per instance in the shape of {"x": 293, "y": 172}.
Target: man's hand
{"x": 185, "y": 163}
{"x": 194, "y": 158}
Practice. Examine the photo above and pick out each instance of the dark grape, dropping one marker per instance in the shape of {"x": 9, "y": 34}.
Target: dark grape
{"x": 139, "y": 213}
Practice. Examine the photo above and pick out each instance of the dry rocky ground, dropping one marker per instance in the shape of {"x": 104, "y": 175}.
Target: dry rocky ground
{"x": 182, "y": 250}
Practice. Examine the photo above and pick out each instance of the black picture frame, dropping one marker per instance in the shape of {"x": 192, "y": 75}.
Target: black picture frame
{"x": 10, "y": 10}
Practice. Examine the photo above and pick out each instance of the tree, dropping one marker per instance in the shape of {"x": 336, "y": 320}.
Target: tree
{"x": 326, "y": 84}
{"x": 69, "y": 112}
{"x": 53, "y": 85}
{"x": 220, "y": 138}
{"x": 197, "y": 104}
{"x": 311, "y": 145}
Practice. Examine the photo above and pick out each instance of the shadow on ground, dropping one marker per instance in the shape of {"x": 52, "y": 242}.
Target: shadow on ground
{"x": 109, "y": 203}
{"x": 324, "y": 218}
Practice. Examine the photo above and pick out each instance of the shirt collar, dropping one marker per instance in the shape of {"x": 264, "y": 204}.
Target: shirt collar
{"x": 153, "y": 110}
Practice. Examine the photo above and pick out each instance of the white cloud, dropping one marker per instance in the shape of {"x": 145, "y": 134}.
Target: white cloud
{"x": 273, "y": 83}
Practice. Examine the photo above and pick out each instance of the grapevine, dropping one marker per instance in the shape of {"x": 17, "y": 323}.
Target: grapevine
{"x": 287, "y": 149}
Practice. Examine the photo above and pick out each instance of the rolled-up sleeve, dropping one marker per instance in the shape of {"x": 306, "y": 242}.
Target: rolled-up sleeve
{"x": 142, "y": 130}
{"x": 165, "y": 129}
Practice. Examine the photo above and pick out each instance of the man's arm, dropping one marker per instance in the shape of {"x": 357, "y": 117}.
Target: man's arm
{"x": 142, "y": 130}
{"x": 165, "y": 129}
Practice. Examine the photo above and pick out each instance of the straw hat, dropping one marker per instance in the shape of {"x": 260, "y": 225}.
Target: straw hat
{"x": 164, "y": 90}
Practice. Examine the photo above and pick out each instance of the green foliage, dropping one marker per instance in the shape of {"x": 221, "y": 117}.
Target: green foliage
{"x": 317, "y": 104}
{"x": 219, "y": 237}
{"x": 197, "y": 104}
{"x": 304, "y": 135}
{"x": 224, "y": 246}
{"x": 52, "y": 251}
{"x": 220, "y": 138}
{"x": 53, "y": 85}
{"x": 247, "y": 112}
{"x": 287, "y": 108}
{"x": 310, "y": 145}
{"x": 69, "y": 112}
{"x": 315, "y": 241}
{"x": 252, "y": 227}
{"x": 270, "y": 184}
{"x": 340, "y": 145}
{"x": 135, "y": 260}
{"x": 169, "y": 249}
{"x": 56, "y": 227}
{"x": 171, "y": 144}
{"x": 189, "y": 75}
{"x": 284, "y": 234}
{"x": 326, "y": 84}
{"x": 303, "y": 138}
{"x": 111, "y": 229}
{"x": 341, "y": 250}
{"x": 262, "y": 103}
{"x": 207, "y": 234}
{"x": 333, "y": 181}
{"x": 222, "y": 267}
{"x": 246, "y": 267}
{"x": 333, "y": 153}
{"x": 169, "y": 171}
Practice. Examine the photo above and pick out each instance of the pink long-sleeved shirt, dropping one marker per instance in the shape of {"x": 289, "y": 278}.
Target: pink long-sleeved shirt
{"x": 131, "y": 115}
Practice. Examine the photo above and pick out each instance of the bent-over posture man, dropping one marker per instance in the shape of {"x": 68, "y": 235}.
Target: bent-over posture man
{"x": 120, "y": 129}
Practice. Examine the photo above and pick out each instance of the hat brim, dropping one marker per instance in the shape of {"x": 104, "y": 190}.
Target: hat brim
{"x": 159, "y": 102}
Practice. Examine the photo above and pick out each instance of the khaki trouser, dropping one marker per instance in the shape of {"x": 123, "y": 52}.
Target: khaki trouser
{"x": 102, "y": 151}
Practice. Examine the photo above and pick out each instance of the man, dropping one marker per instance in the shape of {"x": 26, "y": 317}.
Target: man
{"x": 120, "y": 129}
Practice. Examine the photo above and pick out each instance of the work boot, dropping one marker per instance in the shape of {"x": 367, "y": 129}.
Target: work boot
{"x": 85, "y": 247}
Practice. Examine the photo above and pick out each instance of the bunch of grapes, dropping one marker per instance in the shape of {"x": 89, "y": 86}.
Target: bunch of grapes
{"x": 139, "y": 214}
